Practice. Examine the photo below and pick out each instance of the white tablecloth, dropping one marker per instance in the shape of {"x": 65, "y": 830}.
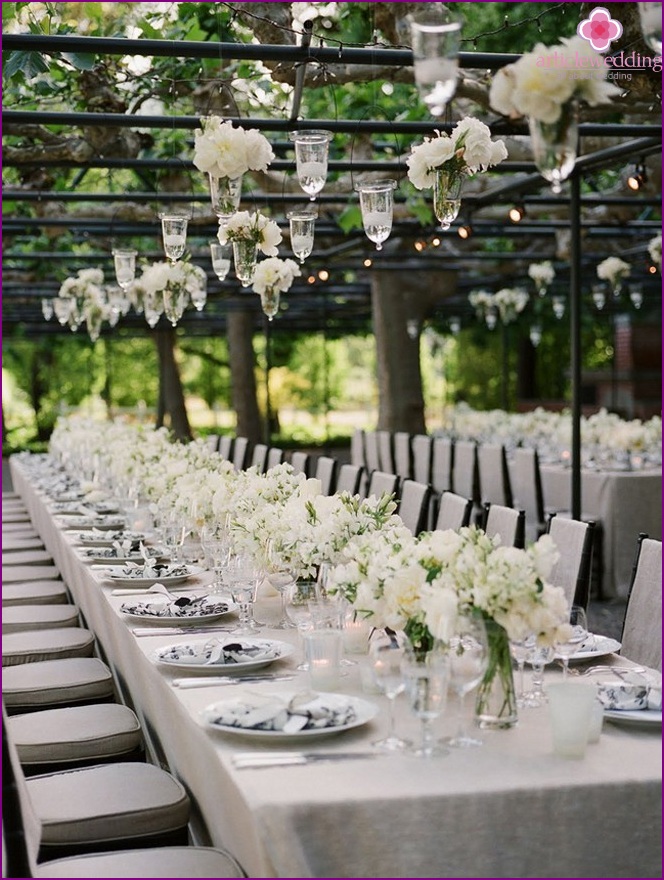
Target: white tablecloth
{"x": 508, "y": 809}
{"x": 625, "y": 502}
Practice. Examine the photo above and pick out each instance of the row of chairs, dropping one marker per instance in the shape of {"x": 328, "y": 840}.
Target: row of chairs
{"x": 80, "y": 798}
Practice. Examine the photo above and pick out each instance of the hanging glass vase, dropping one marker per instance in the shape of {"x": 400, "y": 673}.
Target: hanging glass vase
{"x": 175, "y": 302}
{"x": 495, "y": 707}
{"x": 124, "y": 260}
{"x": 245, "y": 255}
{"x": 554, "y": 145}
{"x": 93, "y": 322}
{"x": 302, "y": 225}
{"x": 225, "y": 194}
{"x": 311, "y": 155}
{"x": 221, "y": 259}
{"x": 270, "y": 302}
{"x": 377, "y": 205}
{"x": 174, "y": 235}
{"x": 447, "y": 197}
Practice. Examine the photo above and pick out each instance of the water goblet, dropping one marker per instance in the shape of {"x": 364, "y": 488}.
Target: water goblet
{"x": 567, "y": 647}
{"x": 468, "y": 661}
{"x": 426, "y": 680}
{"x": 243, "y": 575}
{"x": 387, "y": 655}
{"x": 298, "y": 602}
{"x": 520, "y": 651}
{"x": 538, "y": 657}
{"x": 281, "y": 573}
{"x": 215, "y": 540}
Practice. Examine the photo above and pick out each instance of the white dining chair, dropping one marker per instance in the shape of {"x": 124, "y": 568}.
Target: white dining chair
{"x": 506, "y": 523}
{"x": 454, "y": 512}
{"x": 574, "y": 542}
{"x": 494, "y": 477}
{"x": 414, "y": 505}
{"x": 642, "y": 628}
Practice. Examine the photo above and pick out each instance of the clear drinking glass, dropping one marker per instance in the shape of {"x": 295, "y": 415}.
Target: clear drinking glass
{"x": 243, "y": 575}
{"x": 311, "y": 153}
{"x": 387, "y": 655}
{"x": 302, "y": 225}
{"x": 435, "y": 39}
{"x": 538, "y": 657}
{"x": 568, "y": 647}
{"x": 216, "y": 542}
{"x": 468, "y": 660}
{"x": 281, "y": 574}
{"x": 426, "y": 680}
{"x": 299, "y": 597}
{"x": 174, "y": 234}
{"x": 520, "y": 650}
{"x": 377, "y": 205}
{"x": 221, "y": 259}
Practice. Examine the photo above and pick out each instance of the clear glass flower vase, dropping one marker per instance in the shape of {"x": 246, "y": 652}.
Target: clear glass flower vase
{"x": 447, "y": 197}
{"x": 225, "y": 194}
{"x": 245, "y": 255}
{"x": 554, "y": 145}
{"x": 495, "y": 706}
{"x": 270, "y": 302}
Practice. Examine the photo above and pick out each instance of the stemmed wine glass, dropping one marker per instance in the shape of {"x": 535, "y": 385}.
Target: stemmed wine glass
{"x": 216, "y": 542}
{"x": 566, "y": 648}
{"x": 243, "y": 575}
{"x": 281, "y": 574}
{"x": 426, "y": 680}
{"x": 298, "y": 602}
{"x": 387, "y": 655}
{"x": 468, "y": 660}
{"x": 539, "y": 656}
{"x": 520, "y": 651}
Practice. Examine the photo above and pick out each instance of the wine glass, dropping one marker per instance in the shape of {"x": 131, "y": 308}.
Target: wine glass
{"x": 520, "y": 650}
{"x": 468, "y": 661}
{"x": 281, "y": 573}
{"x": 538, "y": 656}
{"x": 377, "y": 206}
{"x": 387, "y": 655}
{"x": 567, "y": 647}
{"x": 436, "y": 40}
{"x": 426, "y": 681}
{"x": 243, "y": 575}
{"x": 215, "y": 540}
{"x": 299, "y": 597}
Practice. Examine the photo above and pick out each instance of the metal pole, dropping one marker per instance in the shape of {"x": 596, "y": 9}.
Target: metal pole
{"x": 506, "y": 366}
{"x": 575, "y": 337}
{"x": 301, "y": 71}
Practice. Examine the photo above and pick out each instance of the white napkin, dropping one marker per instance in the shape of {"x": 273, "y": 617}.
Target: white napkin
{"x": 220, "y": 652}
{"x": 302, "y": 711}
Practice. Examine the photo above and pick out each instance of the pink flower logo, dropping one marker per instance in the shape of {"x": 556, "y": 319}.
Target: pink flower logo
{"x": 600, "y": 29}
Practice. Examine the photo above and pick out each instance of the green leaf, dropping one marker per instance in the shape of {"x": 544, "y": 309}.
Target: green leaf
{"x": 80, "y": 60}
{"x": 30, "y": 64}
{"x": 350, "y": 218}
{"x": 422, "y": 210}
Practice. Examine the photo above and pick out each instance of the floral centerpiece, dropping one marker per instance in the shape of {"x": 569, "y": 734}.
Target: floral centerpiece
{"x": 273, "y": 277}
{"x": 613, "y": 270}
{"x": 542, "y": 274}
{"x": 443, "y": 161}
{"x": 225, "y": 153}
{"x": 177, "y": 284}
{"x": 655, "y": 251}
{"x": 249, "y": 233}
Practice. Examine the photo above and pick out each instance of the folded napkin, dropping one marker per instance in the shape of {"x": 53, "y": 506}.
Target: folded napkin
{"x": 184, "y": 607}
{"x": 303, "y": 711}
{"x": 150, "y": 569}
{"x": 219, "y": 652}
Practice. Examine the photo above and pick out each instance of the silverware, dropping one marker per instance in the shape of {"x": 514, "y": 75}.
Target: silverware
{"x": 254, "y": 761}
{"x": 591, "y": 670}
{"x": 212, "y": 681}
{"x": 178, "y": 630}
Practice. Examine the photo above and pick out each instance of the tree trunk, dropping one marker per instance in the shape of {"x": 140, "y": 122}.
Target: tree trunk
{"x": 396, "y": 298}
{"x": 243, "y": 376}
{"x": 171, "y": 396}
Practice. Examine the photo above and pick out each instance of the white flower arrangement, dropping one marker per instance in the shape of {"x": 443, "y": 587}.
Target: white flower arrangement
{"x": 542, "y": 274}
{"x": 177, "y": 277}
{"x": 222, "y": 150}
{"x": 655, "y": 250}
{"x": 540, "y": 83}
{"x": 482, "y": 301}
{"x": 86, "y": 284}
{"x": 467, "y": 150}
{"x": 510, "y": 303}
{"x": 275, "y": 275}
{"x": 613, "y": 270}
{"x": 256, "y": 228}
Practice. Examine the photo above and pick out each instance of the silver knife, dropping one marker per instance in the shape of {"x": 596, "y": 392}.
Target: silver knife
{"x": 211, "y": 681}
{"x": 178, "y": 630}
{"x": 251, "y": 761}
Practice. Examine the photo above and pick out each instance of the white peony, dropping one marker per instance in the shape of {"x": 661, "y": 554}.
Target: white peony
{"x": 222, "y": 150}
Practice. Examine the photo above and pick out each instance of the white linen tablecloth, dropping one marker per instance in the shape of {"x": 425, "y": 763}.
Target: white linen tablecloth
{"x": 508, "y": 809}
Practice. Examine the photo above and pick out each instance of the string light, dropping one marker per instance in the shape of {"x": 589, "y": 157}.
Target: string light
{"x": 465, "y": 231}
{"x": 517, "y": 213}
{"x": 368, "y": 263}
{"x": 311, "y": 279}
{"x": 435, "y": 242}
{"x": 637, "y": 179}
{"x": 324, "y": 275}
{"x": 420, "y": 245}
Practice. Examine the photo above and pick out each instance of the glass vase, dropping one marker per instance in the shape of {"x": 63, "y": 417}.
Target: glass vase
{"x": 245, "y": 255}
{"x": 446, "y": 197}
{"x": 554, "y": 145}
{"x": 270, "y": 302}
{"x": 225, "y": 194}
{"x": 495, "y": 706}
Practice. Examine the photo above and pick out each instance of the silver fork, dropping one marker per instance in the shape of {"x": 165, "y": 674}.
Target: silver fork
{"x": 618, "y": 670}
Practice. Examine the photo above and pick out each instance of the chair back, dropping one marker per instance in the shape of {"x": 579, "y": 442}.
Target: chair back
{"x": 225, "y": 447}
{"x": 421, "y": 445}
{"x": 274, "y": 457}
{"x": 372, "y": 460}
{"x": 259, "y": 457}
{"x": 301, "y": 462}
{"x": 240, "y": 453}
{"x": 381, "y": 482}
{"x": 21, "y": 827}
{"x": 453, "y": 512}
{"x": 357, "y": 448}
{"x": 574, "y": 540}
{"x": 414, "y": 505}
{"x": 507, "y": 523}
{"x": 326, "y": 472}
{"x": 642, "y": 628}
{"x": 527, "y": 488}
{"x": 211, "y": 442}
{"x": 385, "y": 452}
{"x": 465, "y": 478}
{"x": 350, "y": 478}
{"x": 493, "y": 474}
{"x": 403, "y": 456}
{"x": 442, "y": 451}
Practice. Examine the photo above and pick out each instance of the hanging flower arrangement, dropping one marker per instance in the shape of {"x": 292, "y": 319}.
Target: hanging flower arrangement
{"x": 271, "y": 278}
{"x": 224, "y": 150}
{"x": 542, "y": 274}
{"x": 170, "y": 288}
{"x": 510, "y": 302}
{"x": 613, "y": 270}
{"x": 255, "y": 228}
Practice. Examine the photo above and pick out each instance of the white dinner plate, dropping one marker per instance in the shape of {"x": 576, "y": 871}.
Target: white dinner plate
{"x": 91, "y": 522}
{"x": 593, "y": 648}
{"x": 95, "y": 538}
{"x": 638, "y": 717}
{"x": 92, "y": 554}
{"x": 364, "y": 712}
{"x": 193, "y": 656}
{"x": 155, "y": 612}
{"x": 121, "y": 579}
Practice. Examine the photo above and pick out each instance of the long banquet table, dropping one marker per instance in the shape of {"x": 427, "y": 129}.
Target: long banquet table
{"x": 507, "y": 809}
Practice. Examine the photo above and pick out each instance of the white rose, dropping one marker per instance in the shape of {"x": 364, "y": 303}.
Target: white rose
{"x": 501, "y": 91}
{"x": 440, "y": 611}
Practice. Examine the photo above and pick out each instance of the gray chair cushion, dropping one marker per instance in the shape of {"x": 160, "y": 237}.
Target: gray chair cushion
{"x": 56, "y": 682}
{"x": 106, "y": 803}
{"x": 27, "y": 557}
{"x": 51, "y": 644}
{"x": 17, "y": 573}
{"x": 75, "y": 733}
{"x": 16, "y": 545}
{"x": 22, "y": 618}
{"x": 17, "y": 517}
{"x": 166, "y": 861}
{"x": 21, "y": 528}
{"x": 34, "y": 593}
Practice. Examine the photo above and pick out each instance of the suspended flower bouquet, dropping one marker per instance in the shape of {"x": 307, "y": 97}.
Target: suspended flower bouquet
{"x": 273, "y": 277}
{"x": 74, "y": 295}
{"x": 539, "y": 86}
{"x": 249, "y": 233}
{"x": 542, "y": 274}
{"x": 485, "y": 307}
{"x": 169, "y": 288}
{"x": 225, "y": 153}
{"x": 614, "y": 270}
{"x": 510, "y": 303}
{"x": 443, "y": 161}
